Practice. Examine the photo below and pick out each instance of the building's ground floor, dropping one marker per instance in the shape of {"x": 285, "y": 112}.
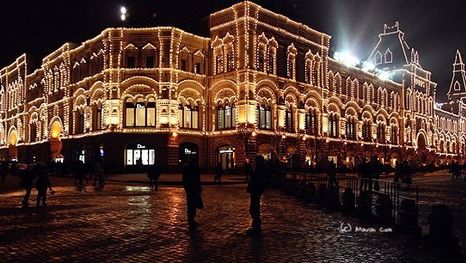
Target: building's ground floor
{"x": 125, "y": 152}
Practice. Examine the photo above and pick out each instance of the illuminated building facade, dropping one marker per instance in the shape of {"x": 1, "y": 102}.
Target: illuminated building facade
{"x": 261, "y": 83}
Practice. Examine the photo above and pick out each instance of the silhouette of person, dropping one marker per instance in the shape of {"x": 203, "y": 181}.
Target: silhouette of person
{"x": 42, "y": 184}
{"x": 247, "y": 169}
{"x": 139, "y": 162}
{"x": 27, "y": 182}
{"x": 192, "y": 187}
{"x": 99, "y": 176}
{"x": 153, "y": 175}
{"x": 256, "y": 186}
{"x": 218, "y": 173}
{"x": 80, "y": 175}
{"x": 332, "y": 174}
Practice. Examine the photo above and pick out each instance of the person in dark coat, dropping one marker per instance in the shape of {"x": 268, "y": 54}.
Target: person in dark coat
{"x": 99, "y": 176}
{"x": 27, "y": 182}
{"x": 42, "y": 184}
{"x": 256, "y": 187}
{"x": 218, "y": 173}
{"x": 192, "y": 187}
{"x": 332, "y": 174}
{"x": 153, "y": 175}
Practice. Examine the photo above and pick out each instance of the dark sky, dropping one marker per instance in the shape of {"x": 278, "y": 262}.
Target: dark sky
{"x": 435, "y": 28}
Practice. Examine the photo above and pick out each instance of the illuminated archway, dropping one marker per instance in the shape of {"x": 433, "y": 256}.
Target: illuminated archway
{"x": 12, "y": 141}
{"x": 55, "y": 130}
{"x": 55, "y": 142}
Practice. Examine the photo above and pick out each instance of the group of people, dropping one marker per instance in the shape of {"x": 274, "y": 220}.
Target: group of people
{"x": 458, "y": 170}
{"x": 369, "y": 171}
{"x": 258, "y": 180}
{"x": 35, "y": 176}
{"x": 96, "y": 172}
{"x": 403, "y": 173}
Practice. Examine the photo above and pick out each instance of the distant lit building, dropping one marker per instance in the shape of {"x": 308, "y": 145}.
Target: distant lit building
{"x": 261, "y": 83}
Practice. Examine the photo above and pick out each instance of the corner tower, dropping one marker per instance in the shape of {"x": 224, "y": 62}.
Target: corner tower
{"x": 458, "y": 79}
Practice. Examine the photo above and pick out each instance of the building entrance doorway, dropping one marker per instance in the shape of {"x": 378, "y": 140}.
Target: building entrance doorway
{"x": 226, "y": 157}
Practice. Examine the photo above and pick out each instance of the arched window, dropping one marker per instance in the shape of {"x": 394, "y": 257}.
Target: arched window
{"x": 367, "y": 131}
{"x": 260, "y": 63}
{"x": 33, "y": 133}
{"x": 226, "y": 116}
{"x": 388, "y": 56}
{"x": 188, "y": 116}
{"x": 289, "y": 119}
{"x": 381, "y": 132}
{"x": 333, "y": 125}
{"x": 98, "y": 117}
{"x": 394, "y": 135}
{"x": 140, "y": 114}
{"x": 230, "y": 61}
{"x": 271, "y": 57}
{"x": 312, "y": 122}
{"x": 308, "y": 71}
{"x": 264, "y": 117}
{"x": 80, "y": 121}
{"x": 350, "y": 130}
{"x": 378, "y": 58}
{"x": 219, "y": 62}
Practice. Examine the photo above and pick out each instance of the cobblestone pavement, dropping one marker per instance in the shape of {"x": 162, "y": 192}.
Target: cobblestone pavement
{"x": 446, "y": 191}
{"x": 133, "y": 224}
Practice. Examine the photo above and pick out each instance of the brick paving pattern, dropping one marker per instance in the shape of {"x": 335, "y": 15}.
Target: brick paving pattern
{"x": 133, "y": 224}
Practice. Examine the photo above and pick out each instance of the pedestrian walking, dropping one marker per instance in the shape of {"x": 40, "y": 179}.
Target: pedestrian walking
{"x": 332, "y": 175}
{"x": 153, "y": 175}
{"x": 99, "y": 176}
{"x": 218, "y": 174}
{"x": 80, "y": 175}
{"x": 42, "y": 184}
{"x": 256, "y": 187}
{"x": 27, "y": 182}
{"x": 192, "y": 187}
{"x": 247, "y": 169}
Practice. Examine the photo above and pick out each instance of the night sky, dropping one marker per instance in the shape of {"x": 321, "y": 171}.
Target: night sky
{"x": 435, "y": 28}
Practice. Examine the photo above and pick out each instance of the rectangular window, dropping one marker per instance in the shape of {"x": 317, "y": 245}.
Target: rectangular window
{"x": 130, "y": 62}
{"x": 268, "y": 120}
{"x": 183, "y": 65}
{"x": 220, "y": 113}
{"x": 151, "y": 156}
{"x": 195, "y": 120}
{"x": 151, "y": 116}
{"x": 150, "y": 62}
{"x": 227, "y": 117}
{"x": 140, "y": 115}
{"x": 180, "y": 118}
{"x": 197, "y": 68}
{"x": 145, "y": 156}
{"x": 233, "y": 116}
{"x": 187, "y": 118}
{"x": 262, "y": 119}
{"x": 130, "y": 116}
{"x": 129, "y": 157}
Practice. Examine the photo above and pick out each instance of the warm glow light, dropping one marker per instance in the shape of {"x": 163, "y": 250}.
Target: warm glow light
{"x": 385, "y": 75}
{"x": 368, "y": 66}
{"x": 123, "y": 17}
{"x": 346, "y": 58}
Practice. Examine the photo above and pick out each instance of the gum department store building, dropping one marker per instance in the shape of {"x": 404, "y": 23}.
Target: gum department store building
{"x": 261, "y": 83}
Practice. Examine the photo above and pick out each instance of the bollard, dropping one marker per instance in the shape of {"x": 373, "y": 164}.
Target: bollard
{"x": 333, "y": 197}
{"x": 408, "y": 215}
{"x": 348, "y": 199}
{"x": 441, "y": 229}
{"x": 365, "y": 204}
{"x": 323, "y": 192}
{"x": 384, "y": 206}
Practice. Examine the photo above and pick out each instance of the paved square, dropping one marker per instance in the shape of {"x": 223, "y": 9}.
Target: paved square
{"x": 132, "y": 224}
